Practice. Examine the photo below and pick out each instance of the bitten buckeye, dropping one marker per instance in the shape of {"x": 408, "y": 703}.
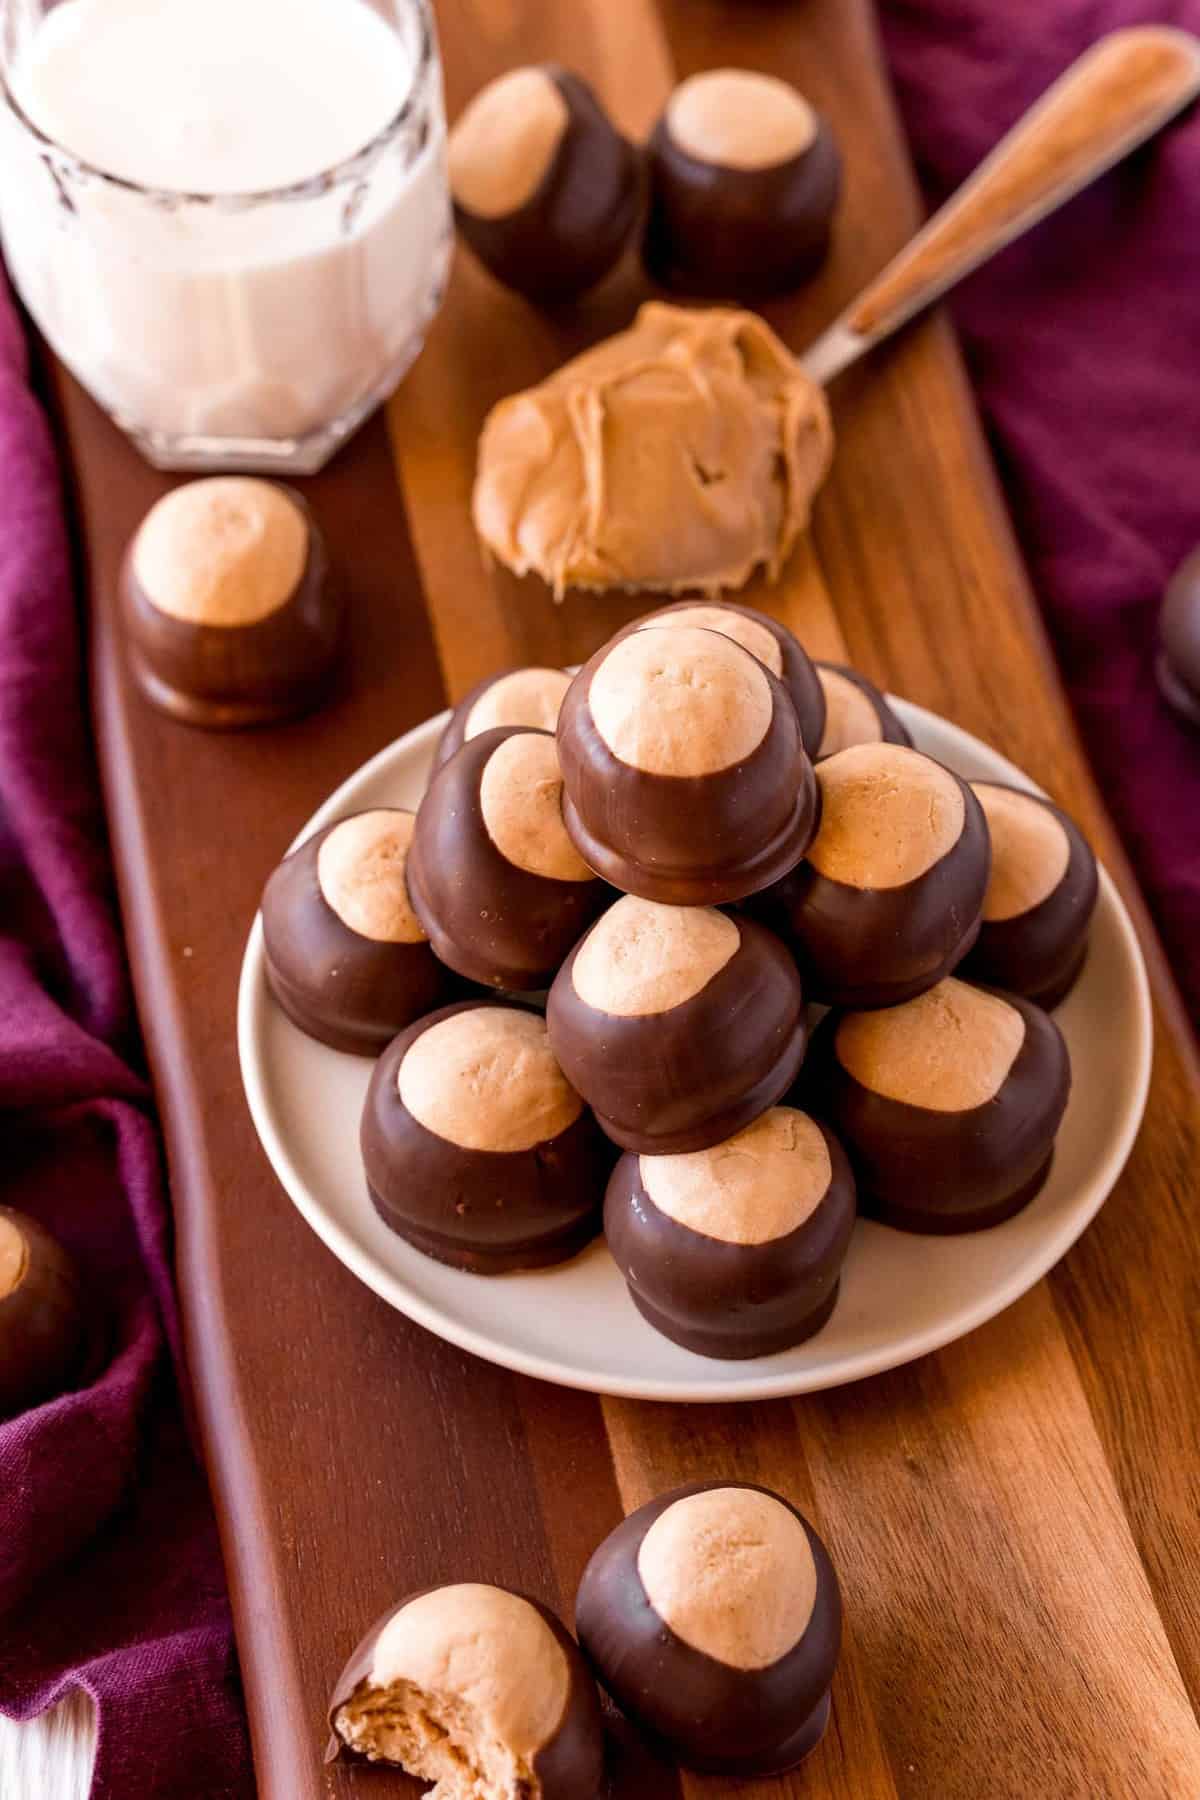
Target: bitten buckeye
{"x": 744, "y": 181}
{"x": 736, "y": 1251}
{"x": 229, "y": 612}
{"x": 476, "y": 1148}
{"x": 546, "y": 190}
{"x": 347, "y": 957}
{"x": 855, "y": 712}
{"x": 678, "y": 1025}
{"x": 498, "y": 884}
{"x": 778, "y": 649}
{"x": 948, "y": 1106}
{"x": 685, "y": 775}
{"x": 478, "y": 1689}
{"x": 1040, "y": 897}
{"x": 529, "y": 697}
{"x": 888, "y": 899}
{"x": 713, "y": 1617}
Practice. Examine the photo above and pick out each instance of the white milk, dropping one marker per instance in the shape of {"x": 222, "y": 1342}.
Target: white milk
{"x": 197, "y": 319}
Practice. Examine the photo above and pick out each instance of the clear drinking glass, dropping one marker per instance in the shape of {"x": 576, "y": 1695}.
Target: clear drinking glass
{"x": 243, "y": 331}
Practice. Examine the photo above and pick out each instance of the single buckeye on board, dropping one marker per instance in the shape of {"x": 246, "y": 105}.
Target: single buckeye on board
{"x": 1040, "y": 898}
{"x": 736, "y": 1251}
{"x": 744, "y": 183}
{"x": 476, "y": 1148}
{"x": 948, "y": 1105}
{"x": 546, "y": 190}
{"x": 712, "y": 1616}
{"x": 347, "y": 958}
{"x": 889, "y": 896}
{"x": 678, "y": 1025}
{"x": 478, "y": 1689}
{"x": 495, "y": 879}
{"x": 684, "y": 771}
{"x": 230, "y": 615}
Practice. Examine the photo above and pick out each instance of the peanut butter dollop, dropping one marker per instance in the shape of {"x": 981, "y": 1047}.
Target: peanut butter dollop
{"x": 678, "y": 456}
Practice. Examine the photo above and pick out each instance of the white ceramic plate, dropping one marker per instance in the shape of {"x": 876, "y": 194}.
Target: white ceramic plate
{"x": 901, "y": 1295}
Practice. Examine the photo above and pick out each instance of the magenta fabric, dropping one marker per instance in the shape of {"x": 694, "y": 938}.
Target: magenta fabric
{"x": 1083, "y": 341}
{"x": 110, "y": 1571}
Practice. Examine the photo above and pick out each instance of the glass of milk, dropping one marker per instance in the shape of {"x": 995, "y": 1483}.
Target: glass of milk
{"x": 229, "y": 218}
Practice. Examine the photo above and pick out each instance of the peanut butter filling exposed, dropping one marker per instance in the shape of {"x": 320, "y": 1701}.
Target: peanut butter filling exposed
{"x": 850, "y": 717}
{"x": 524, "y": 697}
{"x": 751, "y": 634}
{"x": 739, "y": 119}
{"x": 361, "y": 873}
{"x": 678, "y": 455}
{"x": 487, "y": 1079}
{"x": 680, "y": 701}
{"x": 1030, "y": 851}
{"x": 14, "y": 1257}
{"x": 226, "y": 551}
{"x": 887, "y": 815}
{"x": 641, "y": 957}
{"x": 731, "y": 1571}
{"x": 520, "y": 798}
{"x": 466, "y": 1686}
{"x": 760, "y": 1184}
{"x": 949, "y": 1050}
{"x": 503, "y": 145}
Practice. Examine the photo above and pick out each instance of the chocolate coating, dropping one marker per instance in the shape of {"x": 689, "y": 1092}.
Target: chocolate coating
{"x": 569, "y": 1766}
{"x": 730, "y": 1300}
{"x": 737, "y": 233}
{"x": 41, "y": 1314}
{"x": 687, "y": 840}
{"x": 228, "y": 676}
{"x": 1040, "y": 953}
{"x": 351, "y": 992}
{"x": 712, "y": 1717}
{"x": 484, "y": 1211}
{"x": 891, "y": 731}
{"x": 455, "y": 735}
{"x": 1178, "y": 665}
{"x": 865, "y": 947}
{"x": 573, "y": 228}
{"x": 797, "y": 672}
{"x": 493, "y": 922}
{"x": 686, "y": 1078}
{"x": 949, "y": 1172}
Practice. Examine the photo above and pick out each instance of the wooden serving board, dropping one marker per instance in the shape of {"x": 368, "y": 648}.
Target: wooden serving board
{"x": 1014, "y": 1518}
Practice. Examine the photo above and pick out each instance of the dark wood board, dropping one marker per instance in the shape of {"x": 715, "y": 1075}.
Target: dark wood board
{"x": 1014, "y": 1519}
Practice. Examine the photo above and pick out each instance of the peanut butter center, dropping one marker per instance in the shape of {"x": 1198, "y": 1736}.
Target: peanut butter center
{"x": 888, "y": 814}
{"x": 949, "y": 1050}
{"x": 641, "y": 957}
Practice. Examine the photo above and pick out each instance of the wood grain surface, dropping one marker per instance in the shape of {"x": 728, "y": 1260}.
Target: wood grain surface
{"x": 1013, "y": 1519}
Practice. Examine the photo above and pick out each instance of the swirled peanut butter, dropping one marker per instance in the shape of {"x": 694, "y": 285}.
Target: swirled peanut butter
{"x": 679, "y": 455}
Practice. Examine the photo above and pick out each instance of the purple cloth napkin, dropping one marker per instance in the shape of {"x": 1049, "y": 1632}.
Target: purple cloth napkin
{"x": 1083, "y": 341}
{"x": 110, "y": 1571}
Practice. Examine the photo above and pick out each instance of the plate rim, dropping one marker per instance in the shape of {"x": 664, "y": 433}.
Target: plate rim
{"x": 253, "y": 995}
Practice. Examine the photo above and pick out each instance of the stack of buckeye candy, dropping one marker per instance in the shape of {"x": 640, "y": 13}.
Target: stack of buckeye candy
{"x": 691, "y": 844}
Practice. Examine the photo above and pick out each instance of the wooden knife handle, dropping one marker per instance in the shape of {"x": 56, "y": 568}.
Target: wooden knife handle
{"x": 1117, "y": 94}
